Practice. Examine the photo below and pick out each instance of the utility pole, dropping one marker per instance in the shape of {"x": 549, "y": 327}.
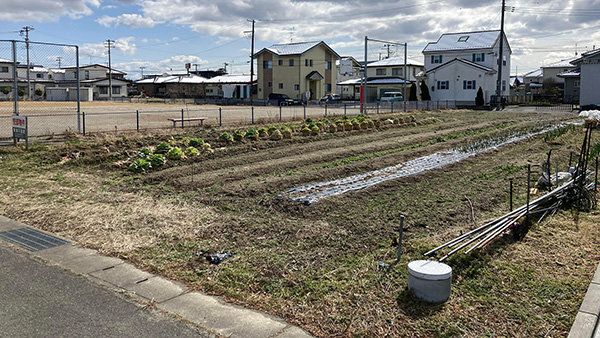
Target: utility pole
{"x": 252, "y": 63}
{"x": 500, "y": 60}
{"x": 25, "y": 31}
{"x": 59, "y": 59}
{"x": 109, "y": 44}
{"x": 142, "y": 68}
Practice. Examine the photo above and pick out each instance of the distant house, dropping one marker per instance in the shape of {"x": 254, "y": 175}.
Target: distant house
{"x": 550, "y": 73}
{"x": 572, "y": 85}
{"x": 458, "y": 64}
{"x": 295, "y": 69}
{"x": 230, "y": 86}
{"x": 589, "y": 83}
{"x": 347, "y": 69}
{"x": 96, "y": 77}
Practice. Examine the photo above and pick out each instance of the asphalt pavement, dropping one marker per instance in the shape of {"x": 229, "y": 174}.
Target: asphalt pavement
{"x": 38, "y": 300}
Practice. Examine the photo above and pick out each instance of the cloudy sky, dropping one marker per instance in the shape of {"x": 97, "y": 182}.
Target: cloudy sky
{"x": 161, "y": 35}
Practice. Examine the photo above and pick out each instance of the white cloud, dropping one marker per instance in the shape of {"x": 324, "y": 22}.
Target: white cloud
{"x": 46, "y": 10}
{"x": 129, "y": 20}
{"x": 126, "y": 45}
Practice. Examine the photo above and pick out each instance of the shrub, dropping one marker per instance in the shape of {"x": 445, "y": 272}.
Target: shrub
{"x": 191, "y": 151}
{"x": 425, "y": 92}
{"x": 413, "y": 92}
{"x": 39, "y": 92}
{"x": 479, "y": 101}
{"x": 144, "y": 153}
{"x": 175, "y": 154}
{"x": 5, "y": 90}
{"x": 226, "y": 137}
{"x": 21, "y": 92}
{"x": 196, "y": 142}
{"x": 139, "y": 165}
{"x": 157, "y": 160}
{"x": 163, "y": 148}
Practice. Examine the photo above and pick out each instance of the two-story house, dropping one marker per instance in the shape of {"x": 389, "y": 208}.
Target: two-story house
{"x": 386, "y": 75}
{"x": 458, "y": 64}
{"x": 585, "y": 79}
{"x": 347, "y": 69}
{"x": 38, "y": 79}
{"x": 296, "y": 69}
{"x": 550, "y": 73}
{"x": 96, "y": 77}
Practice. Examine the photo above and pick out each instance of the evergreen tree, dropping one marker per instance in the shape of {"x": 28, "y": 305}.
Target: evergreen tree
{"x": 425, "y": 92}
{"x": 413, "y": 92}
{"x": 479, "y": 101}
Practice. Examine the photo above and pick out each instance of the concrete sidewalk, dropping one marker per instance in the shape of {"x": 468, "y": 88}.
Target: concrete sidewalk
{"x": 208, "y": 312}
{"x": 587, "y": 323}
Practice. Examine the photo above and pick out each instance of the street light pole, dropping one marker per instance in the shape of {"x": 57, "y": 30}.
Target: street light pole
{"x": 109, "y": 44}
{"x": 26, "y": 31}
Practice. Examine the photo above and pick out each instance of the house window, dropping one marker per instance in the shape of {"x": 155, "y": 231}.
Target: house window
{"x": 291, "y": 63}
{"x": 576, "y": 83}
{"x": 380, "y": 71}
{"x": 397, "y": 71}
{"x": 478, "y": 57}
{"x": 504, "y": 60}
{"x": 280, "y": 62}
{"x": 3, "y": 69}
{"x": 87, "y": 74}
{"x": 328, "y": 87}
{"x": 327, "y": 64}
{"x": 443, "y": 85}
{"x": 469, "y": 84}
{"x": 103, "y": 90}
{"x": 463, "y": 38}
{"x": 116, "y": 90}
{"x": 280, "y": 85}
{"x": 503, "y": 85}
{"x": 436, "y": 59}
{"x": 270, "y": 84}
{"x": 267, "y": 64}
{"x": 76, "y": 75}
{"x": 310, "y": 63}
{"x": 39, "y": 76}
{"x": 296, "y": 87}
{"x": 305, "y": 62}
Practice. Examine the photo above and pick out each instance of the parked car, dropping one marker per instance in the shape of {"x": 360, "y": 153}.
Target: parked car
{"x": 330, "y": 99}
{"x": 282, "y": 100}
{"x": 391, "y": 97}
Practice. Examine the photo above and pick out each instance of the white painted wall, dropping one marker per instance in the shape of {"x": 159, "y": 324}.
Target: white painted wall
{"x": 455, "y": 74}
{"x": 590, "y": 82}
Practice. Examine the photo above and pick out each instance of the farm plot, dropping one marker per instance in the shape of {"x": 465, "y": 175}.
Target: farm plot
{"x": 319, "y": 266}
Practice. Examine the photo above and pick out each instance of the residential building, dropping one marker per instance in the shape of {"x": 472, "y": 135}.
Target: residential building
{"x": 347, "y": 69}
{"x": 383, "y": 76}
{"x": 96, "y": 77}
{"x": 572, "y": 85}
{"x": 589, "y": 83}
{"x": 550, "y": 73}
{"x": 296, "y": 69}
{"x": 458, "y": 64}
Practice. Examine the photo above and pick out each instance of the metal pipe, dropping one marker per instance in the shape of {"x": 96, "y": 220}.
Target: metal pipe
{"x": 137, "y": 120}
{"x": 400, "y": 238}
{"x": 511, "y": 194}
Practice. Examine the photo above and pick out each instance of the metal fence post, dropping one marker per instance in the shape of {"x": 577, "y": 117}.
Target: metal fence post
{"x": 392, "y": 107}
{"x": 528, "y": 187}
{"x": 137, "y": 120}
{"x": 344, "y": 109}
{"x": 83, "y": 120}
{"x": 511, "y": 194}
{"x": 15, "y": 81}
{"x": 400, "y": 237}
{"x": 326, "y": 110}
{"x": 220, "y": 120}
{"x": 279, "y": 113}
{"x": 304, "y": 112}
{"x": 377, "y": 107}
{"x": 252, "y": 115}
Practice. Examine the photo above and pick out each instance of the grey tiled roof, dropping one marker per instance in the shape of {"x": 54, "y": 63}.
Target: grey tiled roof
{"x": 475, "y": 40}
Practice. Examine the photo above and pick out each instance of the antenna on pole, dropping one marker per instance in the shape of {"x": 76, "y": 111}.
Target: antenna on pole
{"x": 109, "y": 43}
{"x": 25, "y": 32}
{"x": 142, "y": 68}
{"x": 59, "y": 59}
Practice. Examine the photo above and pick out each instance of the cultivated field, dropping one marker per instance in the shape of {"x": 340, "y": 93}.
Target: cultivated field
{"x": 319, "y": 265}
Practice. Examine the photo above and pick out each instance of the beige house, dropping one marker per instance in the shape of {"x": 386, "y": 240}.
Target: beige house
{"x": 295, "y": 69}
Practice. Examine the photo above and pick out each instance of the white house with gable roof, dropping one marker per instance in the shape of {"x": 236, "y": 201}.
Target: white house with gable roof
{"x": 458, "y": 64}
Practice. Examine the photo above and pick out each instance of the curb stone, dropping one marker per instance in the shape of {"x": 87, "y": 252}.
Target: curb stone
{"x": 209, "y": 312}
{"x": 587, "y": 323}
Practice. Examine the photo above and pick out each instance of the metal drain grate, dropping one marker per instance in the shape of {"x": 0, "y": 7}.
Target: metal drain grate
{"x": 31, "y": 239}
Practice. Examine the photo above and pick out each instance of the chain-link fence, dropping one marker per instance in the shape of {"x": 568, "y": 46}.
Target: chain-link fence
{"x": 41, "y": 81}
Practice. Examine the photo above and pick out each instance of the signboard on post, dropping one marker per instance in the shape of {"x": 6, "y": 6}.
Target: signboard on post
{"x": 19, "y": 128}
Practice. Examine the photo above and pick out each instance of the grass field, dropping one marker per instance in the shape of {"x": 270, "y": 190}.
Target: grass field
{"x": 318, "y": 266}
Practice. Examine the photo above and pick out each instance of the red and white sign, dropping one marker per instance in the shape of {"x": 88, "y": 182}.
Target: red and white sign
{"x": 188, "y": 65}
{"x": 19, "y": 126}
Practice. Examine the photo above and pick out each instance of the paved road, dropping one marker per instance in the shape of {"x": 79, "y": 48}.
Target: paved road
{"x": 37, "y": 300}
